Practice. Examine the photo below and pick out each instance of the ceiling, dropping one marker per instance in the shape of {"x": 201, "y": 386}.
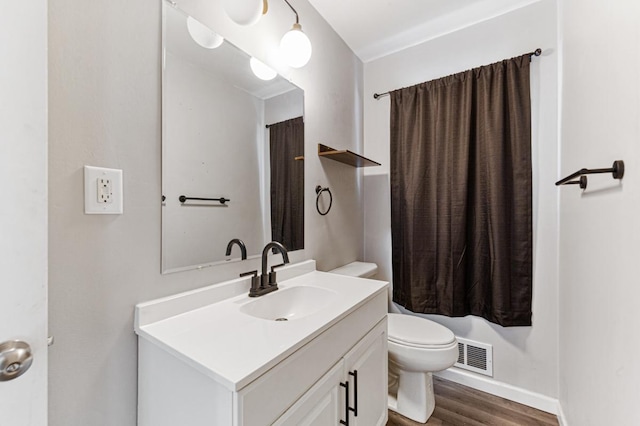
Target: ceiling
{"x": 376, "y": 28}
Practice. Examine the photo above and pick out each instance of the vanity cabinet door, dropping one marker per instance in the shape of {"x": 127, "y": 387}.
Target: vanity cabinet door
{"x": 319, "y": 406}
{"x": 366, "y": 370}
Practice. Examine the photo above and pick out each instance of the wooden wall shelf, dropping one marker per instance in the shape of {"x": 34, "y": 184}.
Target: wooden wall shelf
{"x": 345, "y": 156}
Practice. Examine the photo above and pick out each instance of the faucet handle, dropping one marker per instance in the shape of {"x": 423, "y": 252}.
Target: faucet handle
{"x": 272, "y": 274}
{"x": 255, "y": 282}
{"x": 276, "y": 266}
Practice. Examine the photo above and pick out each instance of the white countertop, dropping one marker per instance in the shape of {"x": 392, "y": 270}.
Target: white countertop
{"x": 234, "y": 348}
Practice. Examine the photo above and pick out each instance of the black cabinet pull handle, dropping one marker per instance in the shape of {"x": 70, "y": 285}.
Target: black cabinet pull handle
{"x": 355, "y": 392}
{"x": 345, "y": 385}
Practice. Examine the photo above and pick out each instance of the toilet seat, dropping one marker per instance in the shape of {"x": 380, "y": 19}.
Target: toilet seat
{"x": 418, "y": 332}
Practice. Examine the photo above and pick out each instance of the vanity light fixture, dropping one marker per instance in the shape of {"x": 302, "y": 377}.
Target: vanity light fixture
{"x": 261, "y": 70}
{"x": 245, "y": 12}
{"x": 203, "y": 35}
{"x": 295, "y": 46}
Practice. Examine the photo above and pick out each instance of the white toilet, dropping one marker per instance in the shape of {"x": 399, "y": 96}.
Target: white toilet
{"x": 417, "y": 347}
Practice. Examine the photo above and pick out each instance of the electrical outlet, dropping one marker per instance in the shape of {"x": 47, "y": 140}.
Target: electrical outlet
{"x": 102, "y": 190}
{"x": 105, "y": 191}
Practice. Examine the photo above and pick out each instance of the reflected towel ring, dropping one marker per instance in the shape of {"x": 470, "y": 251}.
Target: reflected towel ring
{"x": 319, "y": 191}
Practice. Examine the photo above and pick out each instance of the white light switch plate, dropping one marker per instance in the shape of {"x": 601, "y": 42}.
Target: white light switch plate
{"x": 102, "y": 190}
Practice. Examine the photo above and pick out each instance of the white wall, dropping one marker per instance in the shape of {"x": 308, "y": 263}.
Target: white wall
{"x": 284, "y": 107}
{"x": 524, "y": 357}
{"x": 599, "y": 228}
{"x": 104, "y": 110}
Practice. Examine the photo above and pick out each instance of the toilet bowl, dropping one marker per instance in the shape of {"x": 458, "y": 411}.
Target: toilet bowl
{"x": 417, "y": 347}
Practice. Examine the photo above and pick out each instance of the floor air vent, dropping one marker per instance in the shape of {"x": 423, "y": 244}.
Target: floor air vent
{"x": 475, "y": 356}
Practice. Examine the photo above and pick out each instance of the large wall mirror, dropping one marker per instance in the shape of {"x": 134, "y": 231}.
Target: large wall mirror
{"x": 231, "y": 137}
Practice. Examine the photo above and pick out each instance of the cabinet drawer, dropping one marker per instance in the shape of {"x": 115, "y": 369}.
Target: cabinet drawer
{"x": 268, "y": 397}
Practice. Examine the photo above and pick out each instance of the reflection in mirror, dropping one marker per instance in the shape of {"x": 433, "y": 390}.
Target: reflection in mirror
{"x": 225, "y": 134}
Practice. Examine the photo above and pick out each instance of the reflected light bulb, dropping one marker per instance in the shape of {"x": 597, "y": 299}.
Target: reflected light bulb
{"x": 244, "y": 12}
{"x": 261, "y": 70}
{"x": 202, "y": 34}
{"x": 296, "y": 47}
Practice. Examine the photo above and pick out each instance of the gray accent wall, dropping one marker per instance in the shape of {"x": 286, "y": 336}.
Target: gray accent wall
{"x": 104, "y": 110}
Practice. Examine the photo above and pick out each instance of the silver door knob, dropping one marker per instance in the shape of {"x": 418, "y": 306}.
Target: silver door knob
{"x": 15, "y": 359}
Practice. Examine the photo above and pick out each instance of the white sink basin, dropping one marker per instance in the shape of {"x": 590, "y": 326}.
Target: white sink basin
{"x": 289, "y": 303}
{"x": 194, "y": 325}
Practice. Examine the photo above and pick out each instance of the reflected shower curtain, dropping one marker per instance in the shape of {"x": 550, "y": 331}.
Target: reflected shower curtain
{"x": 461, "y": 194}
{"x": 287, "y": 183}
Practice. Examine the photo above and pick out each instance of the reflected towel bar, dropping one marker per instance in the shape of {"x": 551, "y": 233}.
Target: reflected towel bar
{"x": 616, "y": 170}
{"x": 184, "y": 198}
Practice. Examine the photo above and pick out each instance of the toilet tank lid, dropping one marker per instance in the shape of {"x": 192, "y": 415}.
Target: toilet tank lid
{"x": 357, "y": 269}
{"x": 418, "y": 331}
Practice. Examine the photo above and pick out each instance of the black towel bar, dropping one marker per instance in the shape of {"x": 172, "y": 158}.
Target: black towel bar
{"x": 617, "y": 172}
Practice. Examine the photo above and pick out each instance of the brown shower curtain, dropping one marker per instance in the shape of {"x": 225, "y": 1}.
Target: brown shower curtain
{"x": 287, "y": 183}
{"x": 461, "y": 194}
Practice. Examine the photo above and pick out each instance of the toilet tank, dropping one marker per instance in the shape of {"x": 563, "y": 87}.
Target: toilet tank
{"x": 357, "y": 269}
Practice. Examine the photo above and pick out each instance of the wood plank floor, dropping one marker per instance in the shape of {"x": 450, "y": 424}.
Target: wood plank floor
{"x": 458, "y": 405}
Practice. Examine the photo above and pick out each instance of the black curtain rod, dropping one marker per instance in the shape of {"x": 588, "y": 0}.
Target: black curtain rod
{"x": 536, "y": 52}
{"x": 273, "y": 124}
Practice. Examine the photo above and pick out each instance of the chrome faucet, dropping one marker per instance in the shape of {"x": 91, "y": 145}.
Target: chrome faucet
{"x": 240, "y": 243}
{"x": 266, "y": 283}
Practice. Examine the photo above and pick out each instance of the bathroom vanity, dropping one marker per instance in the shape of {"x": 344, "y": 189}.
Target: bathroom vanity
{"x": 312, "y": 353}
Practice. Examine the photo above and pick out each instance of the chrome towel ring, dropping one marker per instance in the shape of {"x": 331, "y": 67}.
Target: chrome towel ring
{"x": 319, "y": 191}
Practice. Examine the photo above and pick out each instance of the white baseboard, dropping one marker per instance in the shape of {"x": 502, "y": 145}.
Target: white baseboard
{"x": 503, "y": 390}
{"x": 562, "y": 420}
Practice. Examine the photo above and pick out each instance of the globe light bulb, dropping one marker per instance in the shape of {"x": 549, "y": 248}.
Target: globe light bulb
{"x": 244, "y": 12}
{"x": 296, "y": 47}
{"x": 203, "y": 35}
{"x": 261, "y": 70}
